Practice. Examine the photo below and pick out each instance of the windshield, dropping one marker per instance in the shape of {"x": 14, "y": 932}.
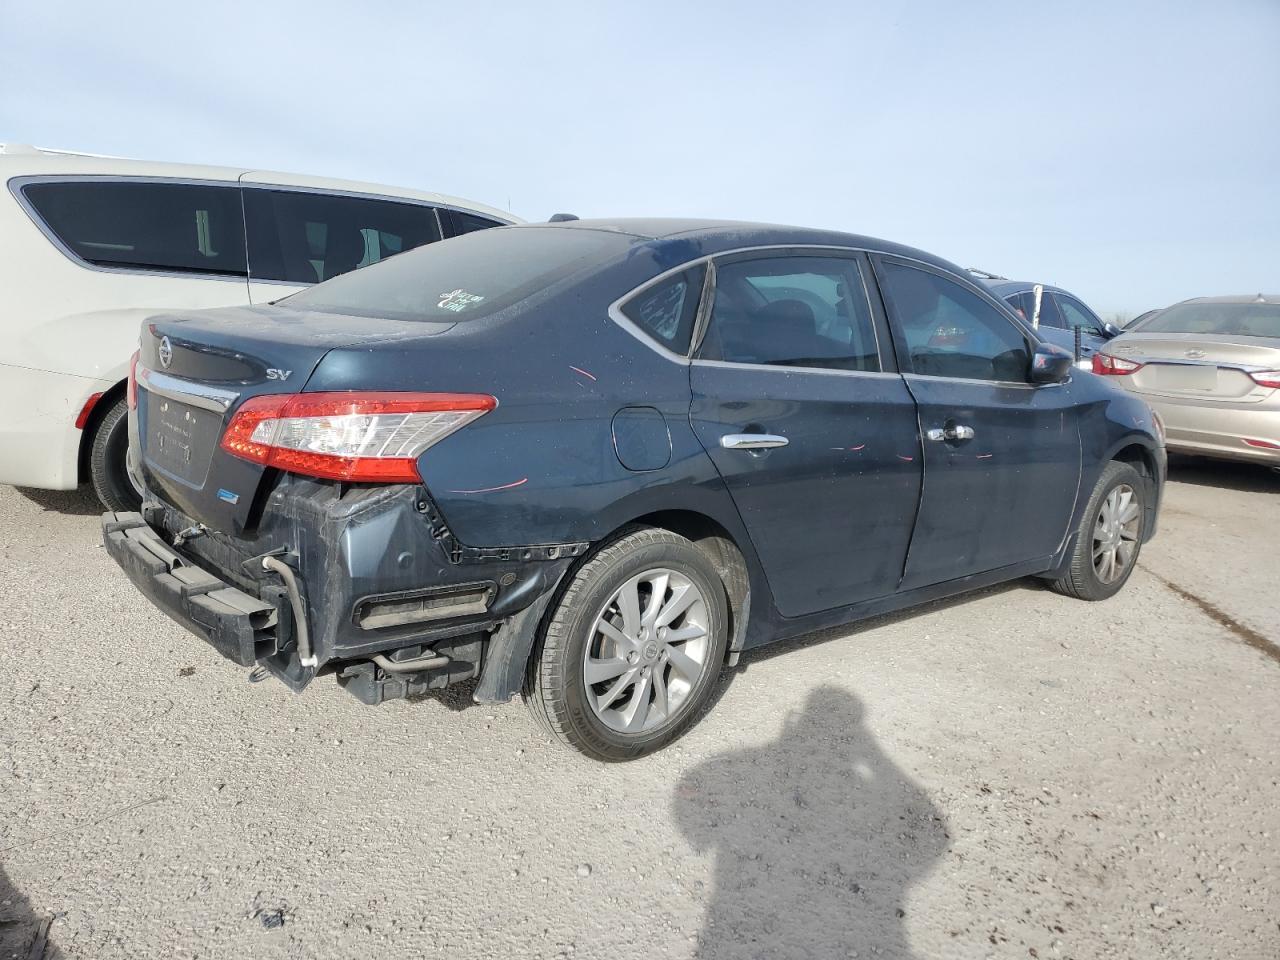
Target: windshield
{"x": 465, "y": 278}
{"x": 1235, "y": 319}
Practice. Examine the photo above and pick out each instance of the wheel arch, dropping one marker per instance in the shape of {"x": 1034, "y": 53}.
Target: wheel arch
{"x": 718, "y": 544}
{"x": 109, "y": 398}
{"x": 1140, "y": 455}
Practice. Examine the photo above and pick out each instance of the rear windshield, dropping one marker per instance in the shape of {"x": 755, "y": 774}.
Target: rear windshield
{"x": 465, "y": 278}
{"x": 1235, "y": 319}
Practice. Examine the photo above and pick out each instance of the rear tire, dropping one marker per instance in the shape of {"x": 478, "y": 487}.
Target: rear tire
{"x": 1109, "y": 529}
{"x": 108, "y": 451}
{"x": 648, "y": 616}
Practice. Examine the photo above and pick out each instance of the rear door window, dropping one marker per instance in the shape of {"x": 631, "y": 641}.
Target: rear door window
{"x": 1024, "y": 305}
{"x": 145, "y": 225}
{"x": 301, "y": 237}
{"x": 797, "y": 311}
{"x": 1021, "y": 303}
{"x": 1050, "y": 315}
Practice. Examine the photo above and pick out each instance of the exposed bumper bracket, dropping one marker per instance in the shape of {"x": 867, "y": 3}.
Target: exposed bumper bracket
{"x": 239, "y": 626}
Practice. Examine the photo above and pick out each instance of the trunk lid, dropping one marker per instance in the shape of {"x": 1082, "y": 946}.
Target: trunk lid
{"x": 1212, "y": 367}
{"x": 195, "y": 370}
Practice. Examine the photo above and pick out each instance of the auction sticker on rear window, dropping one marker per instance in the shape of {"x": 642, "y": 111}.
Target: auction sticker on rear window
{"x": 458, "y": 300}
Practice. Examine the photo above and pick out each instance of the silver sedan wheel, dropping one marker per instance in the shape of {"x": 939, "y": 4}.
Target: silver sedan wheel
{"x": 1115, "y": 535}
{"x": 647, "y": 652}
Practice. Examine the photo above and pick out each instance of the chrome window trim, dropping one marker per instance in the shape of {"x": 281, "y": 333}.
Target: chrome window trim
{"x": 623, "y": 321}
{"x": 1003, "y": 384}
{"x": 185, "y": 391}
{"x": 784, "y": 368}
{"x": 16, "y": 185}
{"x": 618, "y": 317}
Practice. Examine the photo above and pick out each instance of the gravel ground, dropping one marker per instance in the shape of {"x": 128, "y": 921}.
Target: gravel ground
{"x": 1011, "y": 774}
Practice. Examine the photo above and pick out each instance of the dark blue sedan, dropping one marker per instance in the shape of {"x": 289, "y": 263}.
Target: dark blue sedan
{"x": 595, "y": 461}
{"x": 1060, "y": 314}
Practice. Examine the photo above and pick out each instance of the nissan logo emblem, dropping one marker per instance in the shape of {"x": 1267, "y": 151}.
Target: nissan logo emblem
{"x": 165, "y": 353}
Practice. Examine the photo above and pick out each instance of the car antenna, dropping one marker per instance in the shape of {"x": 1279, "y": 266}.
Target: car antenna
{"x": 563, "y": 217}
{"x": 986, "y": 274}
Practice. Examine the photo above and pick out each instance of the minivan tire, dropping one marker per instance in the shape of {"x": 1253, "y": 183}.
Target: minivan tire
{"x": 1082, "y": 580}
{"x": 108, "y": 453}
{"x": 556, "y": 690}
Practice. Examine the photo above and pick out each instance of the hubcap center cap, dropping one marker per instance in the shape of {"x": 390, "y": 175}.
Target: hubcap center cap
{"x": 650, "y": 652}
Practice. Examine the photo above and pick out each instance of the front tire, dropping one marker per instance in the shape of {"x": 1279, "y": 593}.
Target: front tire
{"x": 633, "y": 649}
{"x": 1110, "y": 536}
{"x": 108, "y": 450}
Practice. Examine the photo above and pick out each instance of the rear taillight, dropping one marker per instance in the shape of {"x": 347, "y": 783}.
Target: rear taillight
{"x": 354, "y": 437}
{"x": 1262, "y": 444}
{"x": 133, "y": 380}
{"x": 1266, "y": 378}
{"x": 1108, "y": 366}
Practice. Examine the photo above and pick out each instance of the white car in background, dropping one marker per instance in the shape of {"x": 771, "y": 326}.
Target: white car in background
{"x": 91, "y": 246}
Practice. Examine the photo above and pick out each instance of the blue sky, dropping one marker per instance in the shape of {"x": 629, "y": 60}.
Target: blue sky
{"x": 1129, "y": 151}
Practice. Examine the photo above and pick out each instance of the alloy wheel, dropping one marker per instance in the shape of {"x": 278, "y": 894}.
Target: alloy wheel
{"x": 647, "y": 652}
{"x": 1115, "y": 533}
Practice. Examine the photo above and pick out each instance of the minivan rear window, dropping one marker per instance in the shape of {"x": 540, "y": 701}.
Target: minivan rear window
{"x": 1233, "y": 319}
{"x": 147, "y": 225}
{"x": 464, "y": 278}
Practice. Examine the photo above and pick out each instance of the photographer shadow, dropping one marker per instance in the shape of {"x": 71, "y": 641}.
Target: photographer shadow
{"x": 23, "y": 932}
{"x": 817, "y": 838}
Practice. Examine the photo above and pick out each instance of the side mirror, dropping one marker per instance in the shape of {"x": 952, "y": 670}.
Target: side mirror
{"x": 1050, "y": 364}
{"x": 1111, "y": 330}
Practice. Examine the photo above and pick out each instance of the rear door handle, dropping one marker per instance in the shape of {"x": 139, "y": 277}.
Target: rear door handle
{"x": 952, "y": 431}
{"x": 752, "y": 441}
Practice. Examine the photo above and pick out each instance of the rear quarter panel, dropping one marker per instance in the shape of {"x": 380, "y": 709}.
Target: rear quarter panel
{"x": 542, "y": 467}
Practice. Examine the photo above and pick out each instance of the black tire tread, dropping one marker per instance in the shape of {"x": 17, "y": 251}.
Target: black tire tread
{"x": 546, "y": 678}
{"x": 107, "y": 472}
{"x": 1080, "y": 581}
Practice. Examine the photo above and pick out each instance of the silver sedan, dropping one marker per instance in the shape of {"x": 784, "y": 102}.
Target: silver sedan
{"x": 1210, "y": 368}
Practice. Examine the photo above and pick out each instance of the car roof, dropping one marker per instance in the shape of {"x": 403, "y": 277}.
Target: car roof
{"x": 19, "y": 160}
{"x": 714, "y": 236}
{"x": 1236, "y": 298}
{"x": 1005, "y": 288}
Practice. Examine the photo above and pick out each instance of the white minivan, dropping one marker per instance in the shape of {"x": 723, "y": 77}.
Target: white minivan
{"x": 90, "y": 246}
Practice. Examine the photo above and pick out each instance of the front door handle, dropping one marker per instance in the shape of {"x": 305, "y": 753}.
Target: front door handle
{"x": 952, "y": 431}
{"x": 752, "y": 441}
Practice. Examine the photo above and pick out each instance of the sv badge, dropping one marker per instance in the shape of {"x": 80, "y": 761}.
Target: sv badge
{"x": 276, "y": 374}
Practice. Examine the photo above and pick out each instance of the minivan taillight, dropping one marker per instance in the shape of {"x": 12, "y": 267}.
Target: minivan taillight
{"x": 355, "y": 437}
{"x": 1108, "y": 366}
{"x": 132, "y": 390}
{"x": 1266, "y": 378}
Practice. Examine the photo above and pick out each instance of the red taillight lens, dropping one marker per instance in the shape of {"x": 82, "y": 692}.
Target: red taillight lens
{"x": 1267, "y": 378}
{"x": 1262, "y": 444}
{"x": 133, "y": 380}
{"x": 1108, "y": 366}
{"x": 354, "y": 437}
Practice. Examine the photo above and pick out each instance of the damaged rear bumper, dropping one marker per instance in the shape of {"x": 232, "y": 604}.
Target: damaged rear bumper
{"x": 241, "y": 627}
{"x": 356, "y": 582}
